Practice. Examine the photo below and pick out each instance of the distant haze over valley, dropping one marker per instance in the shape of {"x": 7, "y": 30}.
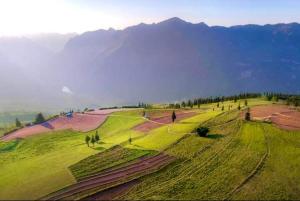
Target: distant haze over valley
{"x": 163, "y": 62}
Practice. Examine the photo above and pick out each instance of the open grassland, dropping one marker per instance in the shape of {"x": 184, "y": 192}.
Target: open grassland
{"x": 39, "y": 164}
{"x": 36, "y": 166}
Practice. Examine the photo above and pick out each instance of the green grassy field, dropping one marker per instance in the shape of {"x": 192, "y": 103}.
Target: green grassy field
{"x": 237, "y": 160}
{"x": 164, "y": 136}
{"x": 39, "y": 165}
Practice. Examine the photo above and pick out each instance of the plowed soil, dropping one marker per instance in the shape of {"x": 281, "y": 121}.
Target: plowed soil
{"x": 113, "y": 192}
{"x": 141, "y": 167}
{"x": 283, "y": 116}
{"x": 159, "y": 121}
{"x": 79, "y": 122}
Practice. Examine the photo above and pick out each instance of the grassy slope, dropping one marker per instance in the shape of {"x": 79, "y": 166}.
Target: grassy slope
{"x": 44, "y": 159}
{"x": 217, "y": 166}
{"x": 38, "y": 165}
{"x": 102, "y": 161}
{"x": 280, "y": 178}
{"x": 162, "y": 137}
{"x": 117, "y": 129}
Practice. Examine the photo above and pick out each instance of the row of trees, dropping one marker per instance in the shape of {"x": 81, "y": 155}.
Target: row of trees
{"x": 38, "y": 120}
{"x": 93, "y": 139}
{"x": 290, "y": 99}
{"x": 198, "y": 101}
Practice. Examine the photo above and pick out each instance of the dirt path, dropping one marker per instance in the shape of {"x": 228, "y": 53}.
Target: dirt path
{"x": 108, "y": 178}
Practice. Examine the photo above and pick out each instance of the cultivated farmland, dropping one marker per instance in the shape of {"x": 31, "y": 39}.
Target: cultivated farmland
{"x": 134, "y": 159}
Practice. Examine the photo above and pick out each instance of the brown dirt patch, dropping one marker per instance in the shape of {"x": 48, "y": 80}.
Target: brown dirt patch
{"x": 113, "y": 192}
{"x": 79, "y": 122}
{"x": 159, "y": 121}
{"x": 283, "y": 116}
{"x": 116, "y": 176}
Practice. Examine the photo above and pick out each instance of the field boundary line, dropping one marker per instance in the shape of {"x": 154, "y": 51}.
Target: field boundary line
{"x": 258, "y": 167}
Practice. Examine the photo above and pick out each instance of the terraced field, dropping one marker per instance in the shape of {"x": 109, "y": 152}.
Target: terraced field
{"x": 110, "y": 158}
{"x": 237, "y": 160}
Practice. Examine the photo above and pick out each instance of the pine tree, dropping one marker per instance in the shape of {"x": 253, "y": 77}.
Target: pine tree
{"x": 97, "y": 137}
{"x": 223, "y": 108}
{"x": 93, "y": 140}
{"x": 39, "y": 118}
{"x": 239, "y": 107}
{"x": 18, "y": 123}
{"x": 198, "y": 103}
{"x": 87, "y": 140}
{"x": 247, "y": 115}
{"x": 235, "y": 99}
{"x": 173, "y": 116}
{"x": 246, "y": 102}
{"x": 190, "y": 104}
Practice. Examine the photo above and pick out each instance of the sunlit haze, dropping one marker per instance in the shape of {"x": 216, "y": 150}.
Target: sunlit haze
{"x": 18, "y": 17}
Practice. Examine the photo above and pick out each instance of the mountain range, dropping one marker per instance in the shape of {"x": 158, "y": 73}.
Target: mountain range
{"x": 161, "y": 62}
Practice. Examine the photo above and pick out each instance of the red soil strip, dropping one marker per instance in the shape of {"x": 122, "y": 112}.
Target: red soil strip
{"x": 142, "y": 167}
{"x": 79, "y": 122}
{"x": 150, "y": 125}
{"x": 283, "y": 116}
{"x": 113, "y": 192}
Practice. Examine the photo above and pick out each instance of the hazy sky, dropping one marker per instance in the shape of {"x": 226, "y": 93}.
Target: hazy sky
{"x": 19, "y": 17}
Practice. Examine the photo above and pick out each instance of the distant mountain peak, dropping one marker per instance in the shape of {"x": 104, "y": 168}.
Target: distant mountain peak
{"x": 173, "y": 20}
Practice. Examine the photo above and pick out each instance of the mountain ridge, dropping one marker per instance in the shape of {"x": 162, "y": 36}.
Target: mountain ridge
{"x": 173, "y": 60}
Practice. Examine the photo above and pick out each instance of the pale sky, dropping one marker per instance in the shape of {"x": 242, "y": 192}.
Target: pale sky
{"x": 20, "y": 17}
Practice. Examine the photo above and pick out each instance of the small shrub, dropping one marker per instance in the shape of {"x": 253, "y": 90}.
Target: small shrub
{"x": 202, "y": 131}
{"x": 247, "y": 115}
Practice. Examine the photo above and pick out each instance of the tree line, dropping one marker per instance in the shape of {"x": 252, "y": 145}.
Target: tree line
{"x": 291, "y": 99}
